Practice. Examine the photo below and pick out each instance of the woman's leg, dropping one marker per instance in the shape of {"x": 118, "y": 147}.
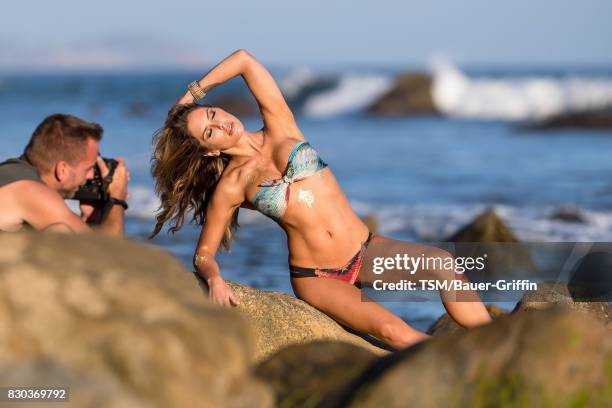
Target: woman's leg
{"x": 343, "y": 303}
{"x": 470, "y": 311}
{"x": 466, "y": 313}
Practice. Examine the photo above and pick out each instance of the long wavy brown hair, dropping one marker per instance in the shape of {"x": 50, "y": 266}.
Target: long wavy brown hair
{"x": 184, "y": 179}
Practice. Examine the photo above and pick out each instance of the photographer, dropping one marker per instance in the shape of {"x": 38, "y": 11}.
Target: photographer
{"x": 60, "y": 158}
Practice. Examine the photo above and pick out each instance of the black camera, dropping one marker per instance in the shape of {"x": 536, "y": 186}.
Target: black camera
{"x": 95, "y": 192}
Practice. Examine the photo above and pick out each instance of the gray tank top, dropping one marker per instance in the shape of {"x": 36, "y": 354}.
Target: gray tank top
{"x": 17, "y": 169}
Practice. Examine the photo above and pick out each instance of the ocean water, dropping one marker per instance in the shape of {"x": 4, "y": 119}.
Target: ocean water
{"x": 421, "y": 177}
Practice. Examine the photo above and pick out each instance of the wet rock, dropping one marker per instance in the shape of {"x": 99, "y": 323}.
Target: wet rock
{"x": 313, "y": 374}
{"x": 551, "y": 293}
{"x": 446, "y": 324}
{"x": 489, "y": 230}
{"x": 411, "y": 95}
{"x": 486, "y": 227}
{"x": 593, "y": 119}
{"x": 553, "y": 357}
{"x": 568, "y": 214}
{"x": 120, "y": 324}
{"x": 590, "y": 278}
{"x": 297, "y": 98}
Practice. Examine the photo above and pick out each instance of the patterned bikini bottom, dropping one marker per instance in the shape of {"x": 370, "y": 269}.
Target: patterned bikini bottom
{"x": 347, "y": 273}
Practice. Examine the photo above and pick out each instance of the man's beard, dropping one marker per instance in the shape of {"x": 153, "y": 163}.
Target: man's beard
{"x": 69, "y": 194}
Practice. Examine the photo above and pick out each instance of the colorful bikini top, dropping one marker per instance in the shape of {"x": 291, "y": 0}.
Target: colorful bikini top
{"x": 273, "y": 197}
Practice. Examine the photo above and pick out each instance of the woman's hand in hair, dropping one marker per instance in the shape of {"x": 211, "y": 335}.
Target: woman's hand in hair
{"x": 220, "y": 292}
{"x": 186, "y": 98}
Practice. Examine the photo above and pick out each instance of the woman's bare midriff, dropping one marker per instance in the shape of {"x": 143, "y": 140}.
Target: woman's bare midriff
{"x": 322, "y": 229}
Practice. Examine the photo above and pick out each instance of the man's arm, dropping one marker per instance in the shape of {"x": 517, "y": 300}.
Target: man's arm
{"x": 114, "y": 222}
{"x": 44, "y": 209}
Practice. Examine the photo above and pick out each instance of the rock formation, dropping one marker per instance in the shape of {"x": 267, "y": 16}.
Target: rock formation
{"x": 121, "y": 324}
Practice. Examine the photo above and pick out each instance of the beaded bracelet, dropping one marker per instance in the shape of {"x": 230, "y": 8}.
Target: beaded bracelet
{"x": 196, "y": 91}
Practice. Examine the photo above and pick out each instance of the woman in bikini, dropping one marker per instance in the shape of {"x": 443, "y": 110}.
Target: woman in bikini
{"x": 206, "y": 162}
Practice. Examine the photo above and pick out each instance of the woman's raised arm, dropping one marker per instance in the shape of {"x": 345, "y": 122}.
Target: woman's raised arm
{"x": 264, "y": 88}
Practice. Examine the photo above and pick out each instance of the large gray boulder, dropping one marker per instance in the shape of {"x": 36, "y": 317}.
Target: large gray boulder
{"x": 554, "y": 357}
{"x": 121, "y": 324}
{"x": 552, "y": 293}
{"x": 315, "y": 373}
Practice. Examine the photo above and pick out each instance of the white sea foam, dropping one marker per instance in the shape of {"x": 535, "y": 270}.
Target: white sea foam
{"x": 143, "y": 205}
{"x": 435, "y": 222}
{"x": 142, "y": 201}
{"x": 459, "y": 95}
{"x": 296, "y": 80}
{"x": 456, "y": 94}
{"x": 353, "y": 93}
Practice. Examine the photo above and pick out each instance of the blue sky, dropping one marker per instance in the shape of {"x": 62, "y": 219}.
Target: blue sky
{"x": 184, "y": 33}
